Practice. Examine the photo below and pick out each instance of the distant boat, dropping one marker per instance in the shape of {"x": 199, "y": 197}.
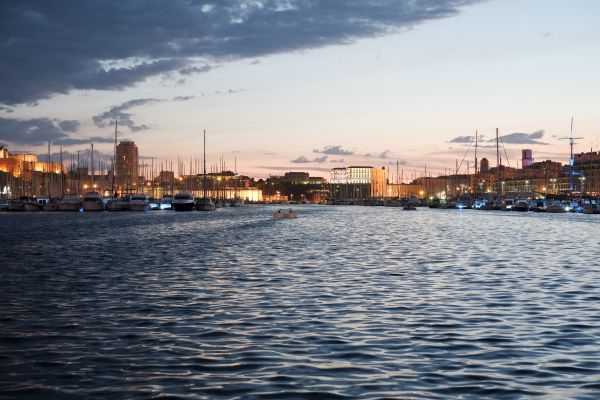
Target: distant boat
{"x": 138, "y": 202}
{"x": 92, "y": 201}
{"x": 556, "y": 207}
{"x": 205, "y": 204}
{"x": 69, "y": 202}
{"x": 289, "y": 214}
{"x": 521, "y": 205}
{"x": 117, "y": 204}
{"x": 183, "y": 202}
{"x": 409, "y": 207}
{"x": 33, "y": 205}
{"x": 538, "y": 205}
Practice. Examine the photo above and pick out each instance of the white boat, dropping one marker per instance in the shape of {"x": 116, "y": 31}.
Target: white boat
{"x": 289, "y": 214}
{"x": 205, "y": 204}
{"x": 70, "y": 202}
{"x": 92, "y": 201}
{"x": 183, "y": 202}
{"x": 139, "y": 202}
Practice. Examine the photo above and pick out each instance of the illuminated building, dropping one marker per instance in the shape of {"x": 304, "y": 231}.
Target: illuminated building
{"x": 526, "y": 158}
{"x": 378, "y": 183}
{"x": 339, "y": 176}
{"x": 358, "y": 175}
{"x": 127, "y": 159}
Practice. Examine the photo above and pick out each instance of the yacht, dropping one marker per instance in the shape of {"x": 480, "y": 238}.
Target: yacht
{"x": 138, "y": 202}
{"x": 92, "y": 201}
{"x": 183, "y": 202}
{"x": 70, "y": 202}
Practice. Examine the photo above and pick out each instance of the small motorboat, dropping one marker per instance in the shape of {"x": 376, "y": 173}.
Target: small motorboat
{"x": 409, "y": 207}
{"x": 205, "y": 204}
{"x": 183, "y": 202}
{"x": 289, "y": 214}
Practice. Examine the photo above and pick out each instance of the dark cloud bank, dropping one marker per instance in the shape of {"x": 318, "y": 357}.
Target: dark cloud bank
{"x": 51, "y": 47}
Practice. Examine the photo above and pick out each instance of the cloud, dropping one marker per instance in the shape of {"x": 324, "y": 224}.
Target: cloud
{"x": 300, "y": 160}
{"x": 462, "y": 139}
{"x": 341, "y": 160}
{"x": 304, "y": 160}
{"x": 195, "y": 69}
{"x": 6, "y": 109}
{"x": 60, "y": 46}
{"x": 184, "y": 98}
{"x": 107, "y": 118}
{"x": 385, "y": 154}
{"x": 39, "y": 131}
{"x": 69, "y": 126}
{"x": 522, "y": 138}
{"x": 334, "y": 151}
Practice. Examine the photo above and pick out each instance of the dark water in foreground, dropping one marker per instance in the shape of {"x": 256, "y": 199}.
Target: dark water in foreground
{"x": 348, "y": 302}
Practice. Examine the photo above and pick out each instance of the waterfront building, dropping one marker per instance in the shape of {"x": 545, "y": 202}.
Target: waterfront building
{"x": 127, "y": 165}
{"x": 359, "y": 175}
{"x": 379, "y": 183}
{"x": 339, "y": 176}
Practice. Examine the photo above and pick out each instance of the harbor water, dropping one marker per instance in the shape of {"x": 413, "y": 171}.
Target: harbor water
{"x": 341, "y": 303}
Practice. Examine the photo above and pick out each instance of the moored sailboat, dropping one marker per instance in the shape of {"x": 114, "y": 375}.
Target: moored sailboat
{"x": 205, "y": 203}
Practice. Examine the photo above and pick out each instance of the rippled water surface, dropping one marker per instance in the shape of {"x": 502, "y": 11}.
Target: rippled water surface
{"x": 344, "y": 302}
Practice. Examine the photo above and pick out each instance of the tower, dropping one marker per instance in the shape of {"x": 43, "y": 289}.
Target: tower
{"x": 127, "y": 162}
{"x": 526, "y": 158}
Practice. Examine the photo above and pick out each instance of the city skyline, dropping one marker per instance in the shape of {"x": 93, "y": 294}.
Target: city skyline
{"x": 300, "y": 85}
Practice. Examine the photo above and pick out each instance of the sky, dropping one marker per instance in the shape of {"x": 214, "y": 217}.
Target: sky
{"x": 303, "y": 85}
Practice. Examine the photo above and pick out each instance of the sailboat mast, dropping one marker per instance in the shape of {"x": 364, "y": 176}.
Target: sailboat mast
{"x": 204, "y": 168}
{"x": 476, "y": 177}
{"x": 112, "y": 183}
{"x": 497, "y": 166}
{"x": 92, "y": 165}
{"x": 62, "y": 189}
